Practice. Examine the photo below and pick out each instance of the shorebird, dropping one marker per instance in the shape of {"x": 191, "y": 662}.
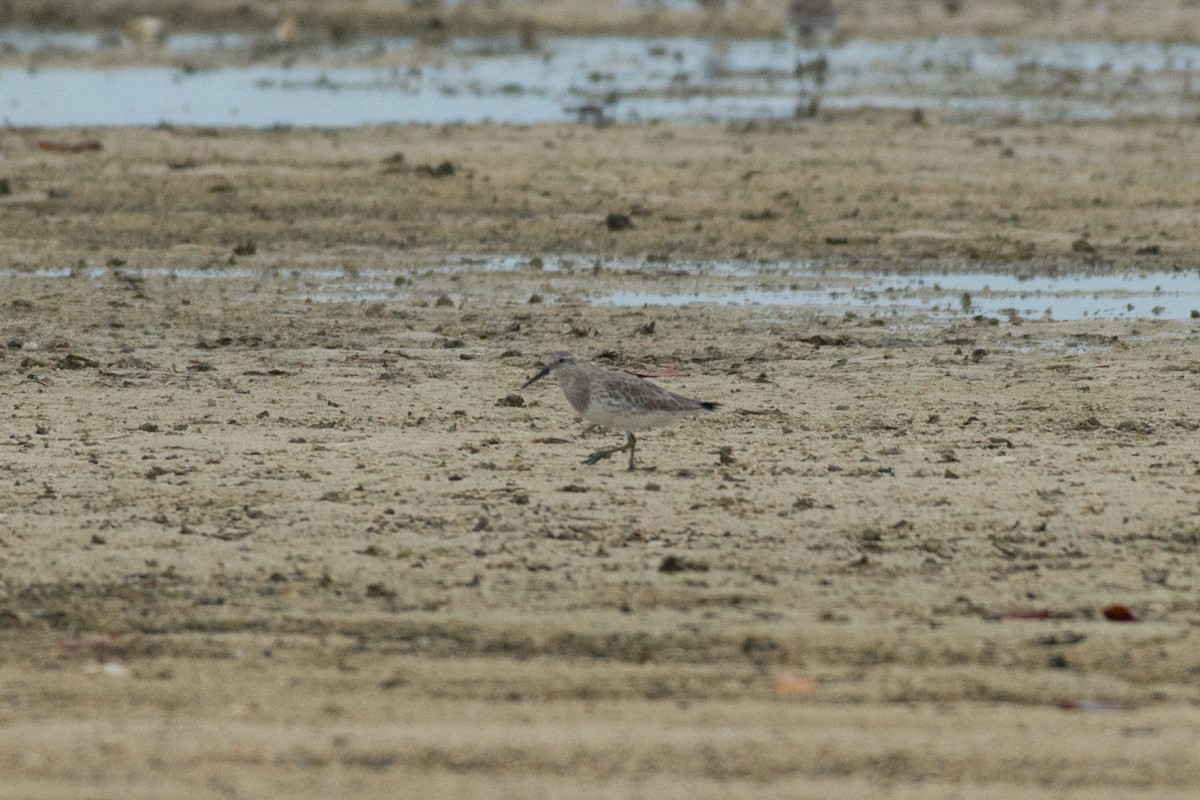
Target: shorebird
{"x": 812, "y": 25}
{"x": 146, "y": 33}
{"x": 811, "y": 22}
{"x": 616, "y": 400}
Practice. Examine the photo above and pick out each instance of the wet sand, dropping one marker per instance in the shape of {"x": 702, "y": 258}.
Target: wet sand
{"x": 257, "y": 541}
{"x": 873, "y": 187}
{"x": 1158, "y": 20}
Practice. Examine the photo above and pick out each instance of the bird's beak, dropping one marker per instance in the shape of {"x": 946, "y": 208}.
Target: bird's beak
{"x": 545, "y": 371}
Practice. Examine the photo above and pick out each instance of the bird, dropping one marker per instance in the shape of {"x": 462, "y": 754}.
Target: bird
{"x": 616, "y": 400}
{"x": 812, "y": 25}
{"x": 146, "y": 33}
{"x": 811, "y": 21}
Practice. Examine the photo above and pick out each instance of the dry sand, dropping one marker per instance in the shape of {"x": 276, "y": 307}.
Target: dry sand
{"x": 256, "y": 543}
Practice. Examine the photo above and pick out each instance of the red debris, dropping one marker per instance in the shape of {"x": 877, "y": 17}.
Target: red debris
{"x": 669, "y": 372}
{"x": 1120, "y": 613}
{"x": 1092, "y": 704}
{"x": 81, "y": 146}
{"x": 795, "y": 685}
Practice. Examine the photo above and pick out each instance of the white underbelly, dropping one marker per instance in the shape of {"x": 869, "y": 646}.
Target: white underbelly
{"x": 630, "y": 421}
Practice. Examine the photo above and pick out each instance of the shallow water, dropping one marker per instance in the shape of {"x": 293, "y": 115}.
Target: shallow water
{"x": 622, "y": 79}
{"x": 1069, "y": 297}
{"x": 1173, "y": 295}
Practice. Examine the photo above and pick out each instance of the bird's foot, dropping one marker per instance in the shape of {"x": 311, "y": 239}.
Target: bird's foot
{"x": 608, "y": 452}
{"x": 600, "y": 455}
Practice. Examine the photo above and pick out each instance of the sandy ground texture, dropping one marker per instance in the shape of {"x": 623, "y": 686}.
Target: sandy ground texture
{"x": 1166, "y": 20}
{"x": 261, "y": 539}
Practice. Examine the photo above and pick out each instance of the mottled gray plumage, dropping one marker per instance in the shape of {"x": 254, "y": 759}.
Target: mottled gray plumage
{"x": 616, "y": 400}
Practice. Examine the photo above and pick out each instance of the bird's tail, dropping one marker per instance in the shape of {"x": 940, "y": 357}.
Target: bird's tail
{"x": 710, "y": 406}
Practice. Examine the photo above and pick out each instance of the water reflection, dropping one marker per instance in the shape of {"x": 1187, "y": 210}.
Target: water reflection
{"x": 623, "y": 79}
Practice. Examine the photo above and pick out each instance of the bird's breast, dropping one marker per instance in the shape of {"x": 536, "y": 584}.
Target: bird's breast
{"x": 576, "y": 389}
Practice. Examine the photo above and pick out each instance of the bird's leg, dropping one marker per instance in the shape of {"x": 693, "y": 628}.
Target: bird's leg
{"x": 604, "y": 453}
{"x": 607, "y": 452}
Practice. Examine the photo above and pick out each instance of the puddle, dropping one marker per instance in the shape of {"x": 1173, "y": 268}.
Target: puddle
{"x": 809, "y": 284}
{"x": 1071, "y": 297}
{"x": 675, "y": 80}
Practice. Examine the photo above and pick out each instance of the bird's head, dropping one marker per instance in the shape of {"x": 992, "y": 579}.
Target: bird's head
{"x": 552, "y": 362}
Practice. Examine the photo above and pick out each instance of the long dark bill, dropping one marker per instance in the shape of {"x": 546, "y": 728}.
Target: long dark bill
{"x": 545, "y": 371}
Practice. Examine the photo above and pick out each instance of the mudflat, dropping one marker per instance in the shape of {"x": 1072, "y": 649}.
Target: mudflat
{"x": 263, "y": 533}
